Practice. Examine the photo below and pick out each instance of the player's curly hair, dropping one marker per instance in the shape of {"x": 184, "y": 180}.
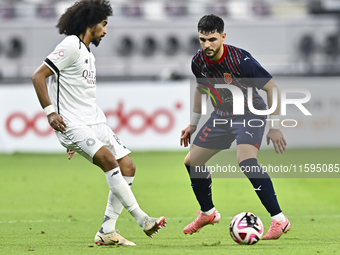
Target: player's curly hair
{"x": 83, "y": 14}
{"x": 210, "y": 23}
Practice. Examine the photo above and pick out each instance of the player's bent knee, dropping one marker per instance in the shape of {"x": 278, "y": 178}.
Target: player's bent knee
{"x": 105, "y": 159}
{"x": 129, "y": 170}
{"x": 106, "y": 163}
{"x": 127, "y": 166}
{"x": 132, "y": 168}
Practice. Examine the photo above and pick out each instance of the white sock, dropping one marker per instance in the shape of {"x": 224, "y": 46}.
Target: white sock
{"x": 210, "y": 211}
{"x": 122, "y": 191}
{"x": 129, "y": 179}
{"x": 113, "y": 209}
{"x": 279, "y": 217}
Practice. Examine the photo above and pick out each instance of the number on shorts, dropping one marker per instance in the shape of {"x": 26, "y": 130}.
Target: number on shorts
{"x": 205, "y": 133}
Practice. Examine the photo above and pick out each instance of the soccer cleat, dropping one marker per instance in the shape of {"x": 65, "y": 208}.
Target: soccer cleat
{"x": 276, "y": 229}
{"x": 112, "y": 238}
{"x": 201, "y": 221}
{"x": 152, "y": 225}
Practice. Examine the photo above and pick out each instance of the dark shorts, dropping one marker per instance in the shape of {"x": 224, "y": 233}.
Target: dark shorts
{"x": 219, "y": 133}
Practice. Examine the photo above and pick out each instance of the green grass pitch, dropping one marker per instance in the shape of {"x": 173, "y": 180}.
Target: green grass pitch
{"x": 49, "y": 205}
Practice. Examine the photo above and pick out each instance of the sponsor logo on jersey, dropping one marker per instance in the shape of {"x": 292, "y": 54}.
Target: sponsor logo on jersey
{"x": 89, "y": 76}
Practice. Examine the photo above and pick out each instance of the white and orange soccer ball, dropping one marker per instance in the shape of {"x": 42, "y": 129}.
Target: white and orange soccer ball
{"x": 246, "y": 228}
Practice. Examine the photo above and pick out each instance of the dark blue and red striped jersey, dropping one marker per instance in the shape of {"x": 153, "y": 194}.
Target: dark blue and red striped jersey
{"x": 236, "y": 67}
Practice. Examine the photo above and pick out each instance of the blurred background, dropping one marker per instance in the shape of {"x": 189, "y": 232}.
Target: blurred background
{"x": 150, "y": 39}
{"x": 150, "y": 44}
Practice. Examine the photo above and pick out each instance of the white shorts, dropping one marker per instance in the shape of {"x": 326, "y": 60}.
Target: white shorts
{"x": 87, "y": 140}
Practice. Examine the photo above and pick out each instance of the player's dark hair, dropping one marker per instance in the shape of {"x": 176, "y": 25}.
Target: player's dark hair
{"x": 83, "y": 14}
{"x": 210, "y": 23}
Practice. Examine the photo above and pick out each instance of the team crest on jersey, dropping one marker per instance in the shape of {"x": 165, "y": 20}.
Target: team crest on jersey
{"x": 227, "y": 78}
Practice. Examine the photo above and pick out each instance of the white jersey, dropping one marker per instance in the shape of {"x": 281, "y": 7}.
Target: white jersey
{"x": 72, "y": 89}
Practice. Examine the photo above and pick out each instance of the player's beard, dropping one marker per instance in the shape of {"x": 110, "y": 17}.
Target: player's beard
{"x": 216, "y": 52}
{"x": 95, "y": 42}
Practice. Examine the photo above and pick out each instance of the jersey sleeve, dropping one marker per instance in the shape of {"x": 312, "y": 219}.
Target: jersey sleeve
{"x": 196, "y": 70}
{"x": 251, "y": 69}
{"x": 63, "y": 56}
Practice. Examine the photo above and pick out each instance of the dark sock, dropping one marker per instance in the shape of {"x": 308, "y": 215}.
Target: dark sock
{"x": 262, "y": 185}
{"x": 201, "y": 185}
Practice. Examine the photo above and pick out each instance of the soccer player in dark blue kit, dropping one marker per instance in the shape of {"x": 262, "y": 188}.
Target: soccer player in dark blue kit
{"x": 217, "y": 63}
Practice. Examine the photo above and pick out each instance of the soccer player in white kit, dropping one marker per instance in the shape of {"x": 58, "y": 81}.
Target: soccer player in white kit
{"x": 80, "y": 125}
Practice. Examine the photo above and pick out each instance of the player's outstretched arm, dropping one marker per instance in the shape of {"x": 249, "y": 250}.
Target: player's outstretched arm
{"x": 39, "y": 82}
{"x": 274, "y": 134}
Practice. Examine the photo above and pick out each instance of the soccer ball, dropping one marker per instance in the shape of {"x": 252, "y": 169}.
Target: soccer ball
{"x": 246, "y": 228}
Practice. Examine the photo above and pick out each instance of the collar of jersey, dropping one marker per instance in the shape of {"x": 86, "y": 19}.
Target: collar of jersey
{"x": 225, "y": 49}
{"x": 81, "y": 41}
